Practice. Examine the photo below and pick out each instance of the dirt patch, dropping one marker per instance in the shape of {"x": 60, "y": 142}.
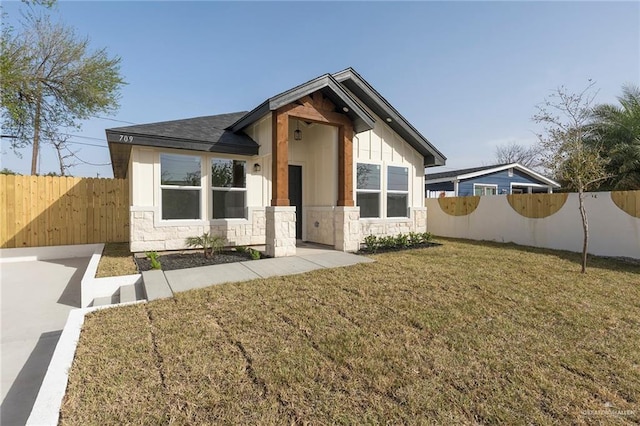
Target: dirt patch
{"x": 116, "y": 260}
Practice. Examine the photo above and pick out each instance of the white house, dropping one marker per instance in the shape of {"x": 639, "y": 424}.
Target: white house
{"x": 329, "y": 161}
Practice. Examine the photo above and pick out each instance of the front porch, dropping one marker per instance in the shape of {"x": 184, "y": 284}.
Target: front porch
{"x": 312, "y": 177}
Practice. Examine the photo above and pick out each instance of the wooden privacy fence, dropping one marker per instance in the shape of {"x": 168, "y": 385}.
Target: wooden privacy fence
{"x": 47, "y": 210}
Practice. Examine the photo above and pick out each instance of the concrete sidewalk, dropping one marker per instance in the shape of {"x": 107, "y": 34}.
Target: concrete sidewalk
{"x": 36, "y": 299}
{"x": 308, "y": 258}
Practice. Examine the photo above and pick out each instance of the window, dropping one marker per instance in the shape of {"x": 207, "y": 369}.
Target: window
{"x": 229, "y": 186}
{"x": 180, "y": 186}
{"x": 482, "y": 189}
{"x": 397, "y": 191}
{"x": 368, "y": 189}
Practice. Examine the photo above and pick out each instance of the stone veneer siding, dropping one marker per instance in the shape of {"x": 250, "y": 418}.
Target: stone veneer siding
{"x": 146, "y": 234}
{"x": 416, "y": 222}
{"x": 319, "y": 223}
{"x": 280, "y": 231}
{"x": 347, "y": 228}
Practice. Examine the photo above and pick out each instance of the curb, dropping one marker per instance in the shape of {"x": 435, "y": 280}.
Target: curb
{"x": 46, "y": 408}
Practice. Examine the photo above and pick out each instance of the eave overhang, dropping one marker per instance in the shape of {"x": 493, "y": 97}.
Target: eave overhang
{"x": 383, "y": 109}
{"x": 119, "y": 138}
{"x": 329, "y": 87}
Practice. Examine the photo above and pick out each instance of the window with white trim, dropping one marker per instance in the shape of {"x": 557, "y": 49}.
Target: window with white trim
{"x": 484, "y": 189}
{"x": 180, "y": 185}
{"x": 368, "y": 189}
{"x": 397, "y": 191}
{"x": 229, "y": 188}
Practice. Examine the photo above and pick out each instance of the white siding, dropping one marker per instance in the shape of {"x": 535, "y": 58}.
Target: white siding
{"x": 142, "y": 160}
{"x": 383, "y": 146}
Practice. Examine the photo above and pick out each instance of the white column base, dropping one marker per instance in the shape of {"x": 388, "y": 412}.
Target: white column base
{"x": 419, "y": 217}
{"x": 280, "y": 231}
{"x": 347, "y": 228}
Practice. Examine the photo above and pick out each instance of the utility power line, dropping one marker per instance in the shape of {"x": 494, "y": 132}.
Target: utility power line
{"x": 113, "y": 119}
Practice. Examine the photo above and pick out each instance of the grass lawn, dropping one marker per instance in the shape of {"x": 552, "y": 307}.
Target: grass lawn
{"x": 116, "y": 260}
{"x": 465, "y": 333}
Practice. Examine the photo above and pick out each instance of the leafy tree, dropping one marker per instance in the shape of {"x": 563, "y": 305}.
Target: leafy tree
{"x": 51, "y": 80}
{"x": 512, "y": 152}
{"x": 579, "y": 165}
{"x": 6, "y": 171}
{"x": 617, "y": 129}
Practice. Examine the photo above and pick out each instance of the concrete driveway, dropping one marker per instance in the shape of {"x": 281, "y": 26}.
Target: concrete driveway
{"x": 35, "y": 300}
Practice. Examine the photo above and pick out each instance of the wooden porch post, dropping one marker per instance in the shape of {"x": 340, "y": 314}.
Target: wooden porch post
{"x": 345, "y": 166}
{"x": 280, "y": 159}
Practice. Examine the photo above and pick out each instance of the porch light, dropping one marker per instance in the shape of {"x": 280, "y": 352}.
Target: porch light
{"x": 256, "y": 167}
{"x": 297, "y": 135}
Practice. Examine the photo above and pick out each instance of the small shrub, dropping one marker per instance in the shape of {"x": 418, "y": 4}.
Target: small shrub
{"x": 414, "y": 239}
{"x": 401, "y": 241}
{"x": 153, "y": 257}
{"x": 255, "y": 254}
{"x": 241, "y": 249}
{"x": 372, "y": 243}
{"x": 209, "y": 243}
{"x": 387, "y": 243}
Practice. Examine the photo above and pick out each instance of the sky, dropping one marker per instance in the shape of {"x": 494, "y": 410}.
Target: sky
{"x": 467, "y": 75}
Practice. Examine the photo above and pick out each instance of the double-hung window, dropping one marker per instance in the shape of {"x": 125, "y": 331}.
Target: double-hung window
{"x": 484, "y": 189}
{"x": 397, "y": 191}
{"x": 180, "y": 185}
{"x": 368, "y": 189}
{"x": 229, "y": 188}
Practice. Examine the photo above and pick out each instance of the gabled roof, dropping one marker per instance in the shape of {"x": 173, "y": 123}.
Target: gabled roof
{"x": 223, "y": 133}
{"x": 383, "y": 109}
{"x": 463, "y": 174}
{"x": 199, "y": 134}
{"x": 329, "y": 87}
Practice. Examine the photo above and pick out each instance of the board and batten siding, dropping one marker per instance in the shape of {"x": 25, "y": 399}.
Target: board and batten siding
{"x": 501, "y": 178}
{"x": 383, "y": 146}
{"x": 317, "y": 154}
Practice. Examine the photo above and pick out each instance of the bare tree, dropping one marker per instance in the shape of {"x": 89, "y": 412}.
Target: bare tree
{"x": 65, "y": 155}
{"x": 512, "y": 152}
{"x": 578, "y": 165}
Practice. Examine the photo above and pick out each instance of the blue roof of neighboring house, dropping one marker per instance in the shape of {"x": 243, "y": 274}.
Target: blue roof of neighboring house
{"x": 473, "y": 172}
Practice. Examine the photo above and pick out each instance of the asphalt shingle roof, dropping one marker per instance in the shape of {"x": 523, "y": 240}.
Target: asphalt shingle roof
{"x": 200, "y": 133}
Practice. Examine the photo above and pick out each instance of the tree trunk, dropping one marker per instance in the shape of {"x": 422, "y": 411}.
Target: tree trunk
{"x": 585, "y": 229}
{"x": 60, "y": 158}
{"x": 36, "y": 133}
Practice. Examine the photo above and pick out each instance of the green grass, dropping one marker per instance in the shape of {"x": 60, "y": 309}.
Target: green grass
{"x": 116, "y": 260}
{"x": 465, "y": 333}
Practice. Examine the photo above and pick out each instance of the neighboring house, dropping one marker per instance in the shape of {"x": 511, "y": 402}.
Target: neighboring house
{"x": 329, "y": 161}
{"x": 488, "y": 180}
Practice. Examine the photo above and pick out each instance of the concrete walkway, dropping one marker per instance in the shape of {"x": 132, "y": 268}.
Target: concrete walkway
{"x": 308, "y": 258}
{"x": 36, "y": 299}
